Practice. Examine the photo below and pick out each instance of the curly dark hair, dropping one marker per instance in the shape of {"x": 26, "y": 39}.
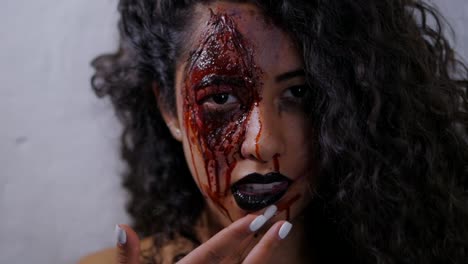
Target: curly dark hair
{"x": 389, "y": 111}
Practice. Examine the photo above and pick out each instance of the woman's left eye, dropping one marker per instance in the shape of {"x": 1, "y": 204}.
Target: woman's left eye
{"x": 298, "y": 91}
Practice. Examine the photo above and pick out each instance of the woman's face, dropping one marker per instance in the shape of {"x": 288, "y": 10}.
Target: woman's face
{"x": 240, "y": 94}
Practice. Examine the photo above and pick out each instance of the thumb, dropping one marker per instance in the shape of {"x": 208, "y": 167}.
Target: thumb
{"x": 128, "y": 245}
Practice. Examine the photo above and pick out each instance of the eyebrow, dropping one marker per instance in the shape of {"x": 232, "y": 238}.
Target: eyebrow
{"x": 214, "y": 79}
{"x": 288, "y": 75}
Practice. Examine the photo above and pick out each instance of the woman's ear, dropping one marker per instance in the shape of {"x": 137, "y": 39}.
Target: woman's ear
{"x": 171, "y": 119}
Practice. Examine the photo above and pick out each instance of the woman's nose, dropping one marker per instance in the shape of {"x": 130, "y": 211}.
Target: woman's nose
{"x": 263, "y": 139}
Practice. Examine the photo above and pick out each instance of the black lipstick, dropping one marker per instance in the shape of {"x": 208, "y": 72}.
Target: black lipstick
{"x": 256, "y": 191}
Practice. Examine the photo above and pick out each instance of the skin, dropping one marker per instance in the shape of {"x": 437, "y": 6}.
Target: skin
{"x": 268, "y": 134}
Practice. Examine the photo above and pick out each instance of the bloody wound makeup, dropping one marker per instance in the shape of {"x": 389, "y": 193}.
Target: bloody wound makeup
{"x": 220, "y": 91}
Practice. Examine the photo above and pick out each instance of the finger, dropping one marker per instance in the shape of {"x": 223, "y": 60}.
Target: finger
{"x": 263, "y": 251}
{"x": 225, "y": 243}
{"x": 128, "y": 245}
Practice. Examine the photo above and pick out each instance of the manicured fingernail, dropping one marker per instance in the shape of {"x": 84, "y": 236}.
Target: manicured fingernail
{"x": 284, "y": 230}
{"x": 270, "y": 212}
{"x": 258, "y": 222}
{"x": 120, "y": 235}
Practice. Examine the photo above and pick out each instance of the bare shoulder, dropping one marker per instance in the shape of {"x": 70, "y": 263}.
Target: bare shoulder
{"x": 108, "y": 256}
{"x": 170, "y": 252}
{"x": 102, "y": 257}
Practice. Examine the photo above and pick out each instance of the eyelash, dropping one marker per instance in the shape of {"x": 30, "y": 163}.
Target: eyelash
{"x": 225, "y": 101}
{"x": 219, "y": 99}
{"x": 297, "y": 91}
{"x": 291, "y": 102}
{"x": 220, "y": 102}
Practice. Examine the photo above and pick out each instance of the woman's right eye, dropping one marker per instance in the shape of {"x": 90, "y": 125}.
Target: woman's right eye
{"x": 220, "y": 102}
{"x": 222, "y": 98}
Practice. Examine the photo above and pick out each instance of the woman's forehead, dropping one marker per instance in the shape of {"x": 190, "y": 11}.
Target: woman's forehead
{"x": 272, "y": 48}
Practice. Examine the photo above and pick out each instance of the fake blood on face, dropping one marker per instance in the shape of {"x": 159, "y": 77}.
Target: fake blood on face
{"x": 223, "y": 64}
{"x": 257, "y": 139}
{"x": 286, "y": 205}
{"x": 276, "y": 162}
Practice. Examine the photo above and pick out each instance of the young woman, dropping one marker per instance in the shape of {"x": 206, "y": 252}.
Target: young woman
{"x": 289, "y": 132}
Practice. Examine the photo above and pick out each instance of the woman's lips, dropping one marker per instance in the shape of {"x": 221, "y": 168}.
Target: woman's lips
{"x": 256, "y": 191}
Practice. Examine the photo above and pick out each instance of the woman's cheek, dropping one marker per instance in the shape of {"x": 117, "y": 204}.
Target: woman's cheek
{"x": 222, "y": 128}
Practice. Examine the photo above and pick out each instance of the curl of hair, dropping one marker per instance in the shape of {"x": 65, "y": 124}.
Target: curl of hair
{"x": 389, "y": 111}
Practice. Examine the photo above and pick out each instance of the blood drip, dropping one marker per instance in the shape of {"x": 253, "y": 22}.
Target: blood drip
{"x": 286, "y": 205}
{"x": 276, "y": 162}
{"x": 215, "y": 197}
{"x": 227, "y": 176}
{"x": 257, "y": 139}
{"x": 224, "y": 53}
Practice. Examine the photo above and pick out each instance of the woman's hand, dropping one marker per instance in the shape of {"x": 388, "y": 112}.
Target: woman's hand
{"x": 128, "y": 245}
{"x": 227, "y": 246}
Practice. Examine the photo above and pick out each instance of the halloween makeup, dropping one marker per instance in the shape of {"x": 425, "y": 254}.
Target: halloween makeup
{"x": 223, "y": 106}
{"x": 256, "y": 191}
{"x": 221, "y": 88}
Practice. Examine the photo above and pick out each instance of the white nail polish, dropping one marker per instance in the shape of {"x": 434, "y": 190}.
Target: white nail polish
{"x": 284, "y": 230}
{"x": 257, "y": 223}
{"x": 120, "y": 235}
{"x": 270, "y": 212}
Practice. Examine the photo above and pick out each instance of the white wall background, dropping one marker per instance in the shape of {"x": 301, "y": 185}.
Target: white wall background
{"x": 60, "y": 195}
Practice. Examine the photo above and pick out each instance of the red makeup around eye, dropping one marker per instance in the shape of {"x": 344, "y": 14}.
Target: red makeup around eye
{"x": 222, "y": 63}
{"x": 203, "y": 93}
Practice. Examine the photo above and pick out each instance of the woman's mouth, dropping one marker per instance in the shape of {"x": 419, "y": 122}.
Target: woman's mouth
{"x": 256, "y": 191}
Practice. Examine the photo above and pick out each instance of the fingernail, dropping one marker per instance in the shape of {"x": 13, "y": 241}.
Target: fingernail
{"x": 120, "y": 235}
{"x": 284, "y": 230}
{"x": 270, "y": 211}
{"x": 257, "y": 223}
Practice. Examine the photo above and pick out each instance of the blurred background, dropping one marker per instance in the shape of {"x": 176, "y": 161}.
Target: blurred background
{"x": 60, "y": 194}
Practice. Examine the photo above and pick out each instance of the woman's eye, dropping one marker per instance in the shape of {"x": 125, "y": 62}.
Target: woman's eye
{"x": 221, "y": 99}
{"x": 294, "y": 98}
{"x": 221, "y": 102}
{"x": 298, "y": 91}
